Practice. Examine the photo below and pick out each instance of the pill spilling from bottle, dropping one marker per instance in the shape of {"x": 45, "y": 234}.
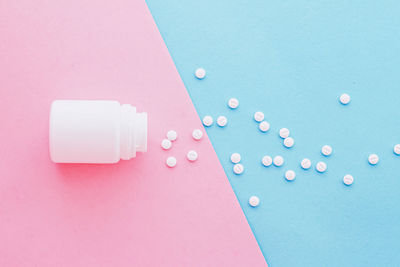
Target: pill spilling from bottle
{"x": 288, "y": 141}
{"x": 200, "y": 73}
{"x": 348, "y": 179}
{"x": 373, "y": 159}
{"x": 254, "y": 201}
{"x": 172, "y": 136}
{"x": 306, "y": 164}
{"x": 235, "y": 158}
{"x": 321, "y": 167}
{"x": 267, "y": 161}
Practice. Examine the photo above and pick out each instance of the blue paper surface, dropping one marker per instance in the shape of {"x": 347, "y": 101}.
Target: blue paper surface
{"x": 292, "y": 60}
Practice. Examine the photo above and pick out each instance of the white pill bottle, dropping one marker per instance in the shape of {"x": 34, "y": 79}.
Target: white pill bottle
{"x": 95, "y": 131}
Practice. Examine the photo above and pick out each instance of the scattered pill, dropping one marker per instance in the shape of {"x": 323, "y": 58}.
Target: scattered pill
{"x": 278, "y": 161}
{"x": 200, "y": 73}
{"x": 284, "y": 133}
{"x": 172, "y": 135}
{"x": 171, "y": 162}
{"x": 326, "y": 150}
{"x": 222, "y": 121}
{"x": 306, "y": 164}
{"x": 208, "y": 121}
{"x": 290, "y": 175}
{"x": 166, "y": 144}
{"x": 396, "y": 149}
{"x": 233, "y": 103}
{"x": 266, "y": 161}
{"x": 288, "y": 142}
{"x": 321, "y": 166}
{"x": 192, "y": 155}
{"x": 197, "y": 134}
{"x": 254, "y": 201}
{"x": 344, "y": 99}
{"x": 264, "y": 126}
{"x": 238, "y": 168}
{"x": 259, "y": 116}
{"x": 236, "y": 158}
{"x": 373, "y": 159}
{"x": 348, "y": 179}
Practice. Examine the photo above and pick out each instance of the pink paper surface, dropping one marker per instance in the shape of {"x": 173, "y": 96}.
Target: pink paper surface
{"x": 135, "y": 213}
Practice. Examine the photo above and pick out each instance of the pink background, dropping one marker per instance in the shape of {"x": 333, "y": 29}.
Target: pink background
{"x": 135, "y": 213}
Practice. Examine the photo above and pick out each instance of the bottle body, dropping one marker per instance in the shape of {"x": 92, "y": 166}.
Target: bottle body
{"x": 95, "y": 131}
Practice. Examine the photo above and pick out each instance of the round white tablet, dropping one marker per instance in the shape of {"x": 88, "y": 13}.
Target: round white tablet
{"x": 306, "y": 164}
{"x": 284, "y": 133}
{"x": 192, "y": 155}
{"x": 266, "y": 161}
{"x": 288, "y": 142}
{"x": 172, "y": 135}
{"x": 396, "y": 149}
{"x": 208, "y": 121}
{"x": 200, "y": 73}
{"x": 171, "y": 162}
{"x": 264, "y": 126}
{"x": 290, "y": 175}
{"x": 236, "y": 158}
{"x": 321, "y": 166}
{"x": 238, "y": 168}
{"x": 373, "y": 159}
{"x": 166, "y": 144}
{"x": 222, "y": 121}
{"x": 259, "y": 116}
{"x": 348, "y": 179}
{"x": 197, "y": 134}
{"x": 344, "y": 99}
{"x": 233, "y": 103}
{"x": 326, "y": 150}
{"x": 278, "y": 161}
{"x": 254, "y": 201}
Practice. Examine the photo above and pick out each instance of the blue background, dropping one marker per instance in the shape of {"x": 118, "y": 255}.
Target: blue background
{"x": 292, "y": 60}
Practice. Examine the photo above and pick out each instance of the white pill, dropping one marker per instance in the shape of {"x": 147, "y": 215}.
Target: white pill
{"x": 259, "y": 116}
{"x": 306, "y": 164}
{"x": 200, "y": 73}
{"x": 396, "y": 149}
{"x": 233, "y": 103}
{"x": 288, "y": 142}
{"x": 264, "y": 126}
{"x": 290, "y": 175}
{"x": 266, "y": 161}
{"x": 373, "y": 159}
{"x": 172, "y": 135}
{"x": 278, "y": 161}
{"x": 236, "y": 158}
{"x": 192, "y": 155}
{"x": 222, "y": 121}
{"x": 238, "y": 168}
{"x": 321, "y": 166}
{"x": 284, "y": 133}
{"x": 171, "y": 162}
{"x": 254, "y": 201}
{"x": 166, "y": 144}
{"x": 208, "y": 121}
{"x": 197, "y": 134}
{"x": 344, "y": 99}
{"x": 326, "y": 150}
{"x": 348, "y": 179}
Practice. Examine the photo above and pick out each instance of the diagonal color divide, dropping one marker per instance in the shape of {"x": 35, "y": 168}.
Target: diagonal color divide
{"x": 136, "y": 213}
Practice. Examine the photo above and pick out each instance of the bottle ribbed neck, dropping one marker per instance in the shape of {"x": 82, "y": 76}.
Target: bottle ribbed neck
{"x": 133, "y": 132}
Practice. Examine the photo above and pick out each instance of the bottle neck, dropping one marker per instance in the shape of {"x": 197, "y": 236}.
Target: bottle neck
{"x": 133, "y": 132}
